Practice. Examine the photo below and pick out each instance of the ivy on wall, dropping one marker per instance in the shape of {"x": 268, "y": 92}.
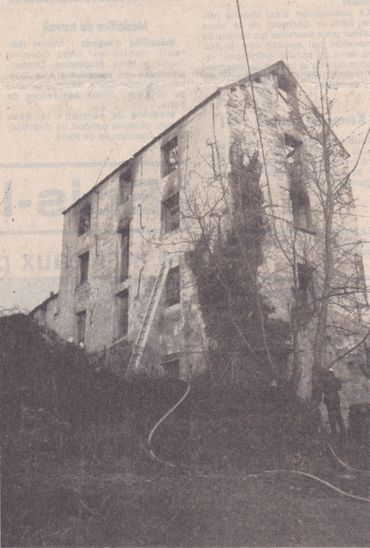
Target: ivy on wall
{"x": 225, "y": 263}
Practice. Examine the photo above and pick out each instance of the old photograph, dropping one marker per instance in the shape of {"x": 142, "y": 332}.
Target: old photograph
{"x": 184, "y": 273}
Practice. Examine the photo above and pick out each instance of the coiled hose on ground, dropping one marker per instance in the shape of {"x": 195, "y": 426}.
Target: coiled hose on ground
{"x": 263, "y": 472}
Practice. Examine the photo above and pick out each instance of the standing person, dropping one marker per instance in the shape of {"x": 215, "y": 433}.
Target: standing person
{"x": 332, "y": 385}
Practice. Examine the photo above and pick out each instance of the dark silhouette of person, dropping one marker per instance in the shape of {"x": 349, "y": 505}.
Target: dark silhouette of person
{"x": 331, "y": 388}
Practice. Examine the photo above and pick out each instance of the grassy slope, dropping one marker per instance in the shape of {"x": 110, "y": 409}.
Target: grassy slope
{"x": 81, "y": 504}
{"x": 101, "y": 490}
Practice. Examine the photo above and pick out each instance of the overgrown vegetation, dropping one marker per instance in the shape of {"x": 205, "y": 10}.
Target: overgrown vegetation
{"x": 76, "y": 472}
{"x": 246, "y": 342}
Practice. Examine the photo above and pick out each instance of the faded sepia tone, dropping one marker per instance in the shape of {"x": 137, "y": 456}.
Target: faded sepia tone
{"x": 184, "y": 272}
{"x": 84, "y": 87}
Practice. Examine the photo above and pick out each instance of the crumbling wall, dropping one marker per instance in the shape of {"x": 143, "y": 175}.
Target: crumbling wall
{"x": 176, "y": 329}
{"x": 282, "y": 114}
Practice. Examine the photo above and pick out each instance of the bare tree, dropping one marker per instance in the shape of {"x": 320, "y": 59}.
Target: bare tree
{"x": 229, "y": 215}
{"x": 338, "y": 292}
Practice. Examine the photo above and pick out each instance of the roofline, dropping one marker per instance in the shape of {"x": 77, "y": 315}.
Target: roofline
{"x": 156, "y": 138}
{"x": 95, "y": 187}
{"x": 319, "y": 115}
{"x": 169, "y": 128}
{"x": 262, "y": 72}
{"x": 50, "y": 298}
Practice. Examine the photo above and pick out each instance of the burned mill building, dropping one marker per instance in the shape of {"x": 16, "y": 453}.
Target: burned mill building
{"x": 126, "y": 287}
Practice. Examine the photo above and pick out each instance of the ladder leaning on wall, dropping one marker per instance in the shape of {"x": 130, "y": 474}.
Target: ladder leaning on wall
{"x": 143, "y": 335}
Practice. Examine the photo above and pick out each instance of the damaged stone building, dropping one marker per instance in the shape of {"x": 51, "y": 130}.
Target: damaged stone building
{"x": 126, "y": 288}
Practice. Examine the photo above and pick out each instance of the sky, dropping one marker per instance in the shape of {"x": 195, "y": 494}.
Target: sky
{"x": 85, "y": 84}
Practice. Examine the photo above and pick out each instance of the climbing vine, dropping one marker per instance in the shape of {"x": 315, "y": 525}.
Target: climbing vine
{"x": 244, "y": 340}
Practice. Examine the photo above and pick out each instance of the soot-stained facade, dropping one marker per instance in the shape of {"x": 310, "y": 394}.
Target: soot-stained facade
{"x": 115, "y": 291}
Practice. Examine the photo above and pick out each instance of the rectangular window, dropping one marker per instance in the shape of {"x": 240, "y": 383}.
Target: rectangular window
{"x": 125, "y": 186}
{"x": 169, "y": 153}
{"x": 80, "y": 327}
{"x": 124, "y": 235}
{"x": 84, "y": 267}
{"x": 171, "y": 366}
{"x": 285, "y": 86}
{"x": 122, "y": 314}
{"x": 359, "y": 275}
{"x": 304, "y": 276}
{"x": 173, "y": 286}
{"x": 84, "y": 220}
{"x": 301, "y": 210}
{"x": 171, "y": 213}
{"x": 293, "y": 149}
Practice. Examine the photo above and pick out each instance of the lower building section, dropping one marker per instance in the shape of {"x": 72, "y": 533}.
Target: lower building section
{"x": 156, "y": 313}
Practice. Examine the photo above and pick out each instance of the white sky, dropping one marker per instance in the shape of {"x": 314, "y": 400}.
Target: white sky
{"x": 84, "y": 84}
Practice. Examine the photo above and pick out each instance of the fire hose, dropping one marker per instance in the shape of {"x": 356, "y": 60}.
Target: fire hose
{"x": 262, "y": 472}
{"x": 159, "y": 422}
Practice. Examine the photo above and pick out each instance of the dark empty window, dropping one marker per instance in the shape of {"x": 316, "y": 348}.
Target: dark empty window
{"x": 301, "y": 210}
{"x": 285, "y": 86}
{"x": 292, "y": 150}
{"x": 122, "y": 314}
{"x": 169, "y": 157}
{"x": 80, "y": 327}
{"x": 173, "y": 286}
{"x": 171, "y": 365}
{"x": 171, "y": 213}
{"x": 84, "y": 220}
{"x": 124, "y": 235}
{"x": 304, "y": 276}
{"x": 84, "y": 267}
{"x": 125, "y": 186}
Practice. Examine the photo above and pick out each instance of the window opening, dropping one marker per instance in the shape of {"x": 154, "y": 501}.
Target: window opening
{"x": 171, "y": 366}
{"x": 80, "y": 327}
{"x": 84, "y": 220}
{"x": 304, "y": 276}
{"x": 171, "y": 212}
{"x": 84, "y": 267}
{"x": 122, "y": 314}
{"x": 301, "y": 210}
{"x": 124, "y": 235}
{"x": 173, "y": 286}
{"x": 125, "y": 186}
{"x": 170, "y": 159}
{"x": 285, "y": 86}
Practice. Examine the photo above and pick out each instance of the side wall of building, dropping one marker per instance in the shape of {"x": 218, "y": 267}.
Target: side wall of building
{"x": 201, "y": 177}
{"x": 287, "y": 118}
{"x": 177, "y": 329}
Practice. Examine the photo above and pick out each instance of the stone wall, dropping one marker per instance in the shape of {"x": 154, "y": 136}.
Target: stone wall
{"x": 176, "y": 329}
{"x": 204, "y": 139}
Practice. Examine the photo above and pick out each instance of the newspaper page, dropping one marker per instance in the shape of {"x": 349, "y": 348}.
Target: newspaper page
{"x": 93, "y": 94}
